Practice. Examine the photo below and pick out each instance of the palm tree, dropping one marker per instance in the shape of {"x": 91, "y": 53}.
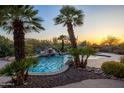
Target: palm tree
{"x": 19, "y": 20}
{"x": 62, "y": 38}
{"x": 70, "y": 16}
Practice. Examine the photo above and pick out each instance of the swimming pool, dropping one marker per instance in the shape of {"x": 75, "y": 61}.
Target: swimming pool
{"x": 54, "y": 64}
{"x": 50, "y": 64}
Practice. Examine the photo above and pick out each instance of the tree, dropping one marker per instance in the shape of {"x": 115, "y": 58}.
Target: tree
{"x": 20, "y": 20}
{"x": 31, "y": 45}
{"x": 70, "y": 16}
{"x": 84, "y": 43}
{"x": 55, "y": 41}
{"x": 110, "y": 41}
{"x": 62, "y": 38}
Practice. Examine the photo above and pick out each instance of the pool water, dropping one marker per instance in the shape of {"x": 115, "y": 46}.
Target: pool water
{"x": 50, "y": 64}
{"x": 54, "y": 63}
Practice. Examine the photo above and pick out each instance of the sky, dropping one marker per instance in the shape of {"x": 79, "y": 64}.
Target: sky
{"x": 100, "y": 21}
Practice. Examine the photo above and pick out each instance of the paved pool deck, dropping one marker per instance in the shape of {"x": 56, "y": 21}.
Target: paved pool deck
{"x": 99, "y": 61}
{"x": 96, "y": 83}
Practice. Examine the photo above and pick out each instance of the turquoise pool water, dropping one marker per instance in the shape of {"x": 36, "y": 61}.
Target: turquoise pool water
{"x": 50, "y": 64}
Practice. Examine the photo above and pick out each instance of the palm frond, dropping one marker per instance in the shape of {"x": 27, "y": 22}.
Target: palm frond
{"x": 69, "y": 14}
{"x": 24, "y": 13}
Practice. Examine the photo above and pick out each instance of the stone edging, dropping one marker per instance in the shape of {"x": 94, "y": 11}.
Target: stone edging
{"x": 66, "y": 67}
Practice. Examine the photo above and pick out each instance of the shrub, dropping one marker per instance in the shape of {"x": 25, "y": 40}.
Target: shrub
{"x": 84, "y": 52}
{"x": 15, "y": 69}
{"x": 74, "y": 52}
{"x": 122, "y": 60}
{"x": 113, "y": 68}
{"x": 6, "y": 47}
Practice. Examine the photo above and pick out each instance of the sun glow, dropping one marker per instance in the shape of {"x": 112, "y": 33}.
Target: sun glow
{"x": 97, "y": 38}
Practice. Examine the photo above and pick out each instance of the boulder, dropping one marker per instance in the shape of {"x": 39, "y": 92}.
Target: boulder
{"x": 98, "y": 71}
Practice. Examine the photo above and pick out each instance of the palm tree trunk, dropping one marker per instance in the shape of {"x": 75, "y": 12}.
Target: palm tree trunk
{"x": 62, "y": 49}
{"x": 19, "y": 46}
{"x": 85, "y": 62}
{"x": 82, "y": 61}
{"x": 73, "y": 42}
{"x": 19, "y": 43}
{"x": 71, "y": 35}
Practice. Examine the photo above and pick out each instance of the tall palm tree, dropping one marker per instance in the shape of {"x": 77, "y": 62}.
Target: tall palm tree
{"x": 62, "y": 38}
{"x": 70, "y": 16}
{"x": 19, "y": 20}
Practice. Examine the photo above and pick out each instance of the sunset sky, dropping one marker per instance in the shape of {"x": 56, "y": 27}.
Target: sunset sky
{"x": 99, "y": 22}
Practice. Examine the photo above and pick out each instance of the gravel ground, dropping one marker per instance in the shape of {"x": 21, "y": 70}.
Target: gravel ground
{"x": 70, "y": 76}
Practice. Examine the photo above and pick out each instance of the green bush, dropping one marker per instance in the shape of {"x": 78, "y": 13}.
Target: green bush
{"x": 6, "y": 47}
{"x": 19, "y": 70}
{"x": 83, "y": 53}
{"x": 122, "y": 60}
{"x": 16, "y": 67}
{"x": 113, "y": 68}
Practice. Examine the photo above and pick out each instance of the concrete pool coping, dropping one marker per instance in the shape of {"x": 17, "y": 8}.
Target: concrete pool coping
{"x": 65, "y": 68}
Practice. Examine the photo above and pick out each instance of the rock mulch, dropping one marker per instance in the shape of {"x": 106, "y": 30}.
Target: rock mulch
{"x": 72, "y": 75}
